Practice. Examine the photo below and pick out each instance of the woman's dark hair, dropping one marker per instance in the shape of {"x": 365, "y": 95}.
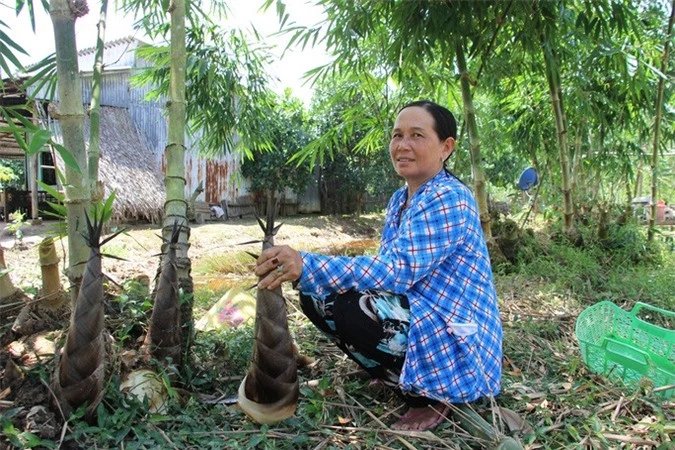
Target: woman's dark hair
{"x": 444, "y": 122}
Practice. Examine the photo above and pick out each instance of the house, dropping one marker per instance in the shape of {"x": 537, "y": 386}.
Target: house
{"x": 133, "y": 140}
{"x": 665, "y": 215}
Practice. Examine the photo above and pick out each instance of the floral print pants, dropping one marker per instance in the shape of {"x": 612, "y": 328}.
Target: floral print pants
{"x": 371, "y": 327}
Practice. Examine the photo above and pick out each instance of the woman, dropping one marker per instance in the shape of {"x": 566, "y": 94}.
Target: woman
{"x": 421, "y": 315}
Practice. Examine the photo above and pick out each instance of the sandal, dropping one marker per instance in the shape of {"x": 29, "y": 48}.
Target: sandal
{"x": 422, "y": 418}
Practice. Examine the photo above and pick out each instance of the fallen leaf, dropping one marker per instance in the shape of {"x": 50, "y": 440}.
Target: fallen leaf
{"x": 5, "y": 393}
{"x": 644, "y": 425}
{"x": 513, "y": 421}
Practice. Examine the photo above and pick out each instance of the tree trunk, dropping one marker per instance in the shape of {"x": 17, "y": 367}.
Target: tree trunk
{"x": 71, "y": 117}
{"x": 553, "y": 78}
{"x": 359, "y": 204}
{"x": 628, "y": 208}
{"x": 577, "y": 174}
{"x": 474, "y": 143}
{"x": 96, "y": 188}
{"x": 602, "y": 135}
{"x": 637, "y": 192}
{"x": 175, "y": 208}
{"x": 657, "y": 123}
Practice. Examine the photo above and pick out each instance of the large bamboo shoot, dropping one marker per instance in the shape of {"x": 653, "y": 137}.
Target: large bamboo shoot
{"x": 52, "y": 294}
{"x": 269, "y": 392}
{"x": 80, "y": 374}
{"x": 7, "y": 289}
{"x": 164, "y": 332}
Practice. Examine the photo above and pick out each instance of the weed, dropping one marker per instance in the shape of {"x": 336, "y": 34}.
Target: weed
{"x": 238, "y": 262}
{"x": 117, "y": 250}
{"x": 205, "y": 297}
{"x": 128, "y": 312}
{"x": 17, "y": 222}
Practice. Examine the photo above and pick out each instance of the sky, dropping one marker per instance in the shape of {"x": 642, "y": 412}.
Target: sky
{"x": 243, "y": 13}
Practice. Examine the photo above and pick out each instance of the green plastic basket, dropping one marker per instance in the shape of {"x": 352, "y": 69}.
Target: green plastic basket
{"x": 623, "y": 346}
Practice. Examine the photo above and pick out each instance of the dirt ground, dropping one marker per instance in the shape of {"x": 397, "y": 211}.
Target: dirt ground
{"x": 140, "y": 244}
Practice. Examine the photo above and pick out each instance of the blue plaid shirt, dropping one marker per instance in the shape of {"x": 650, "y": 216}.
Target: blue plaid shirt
{"x": 433, "y": 252}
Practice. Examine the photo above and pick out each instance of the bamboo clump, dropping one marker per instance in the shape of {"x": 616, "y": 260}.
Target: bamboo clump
{"x": 269, "y": 392}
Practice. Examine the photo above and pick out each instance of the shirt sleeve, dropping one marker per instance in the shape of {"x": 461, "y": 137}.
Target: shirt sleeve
{"x": 430, "y": 232}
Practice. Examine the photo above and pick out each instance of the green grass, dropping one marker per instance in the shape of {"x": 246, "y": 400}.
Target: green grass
{"x": 545, "y": 379}
{"x": 239, "y": 263}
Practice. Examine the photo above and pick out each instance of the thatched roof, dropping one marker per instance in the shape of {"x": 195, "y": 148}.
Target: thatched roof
{"x": 128, "y": 167}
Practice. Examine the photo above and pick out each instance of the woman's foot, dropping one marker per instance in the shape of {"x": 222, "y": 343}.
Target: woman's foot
{"x": 422, "y": 419}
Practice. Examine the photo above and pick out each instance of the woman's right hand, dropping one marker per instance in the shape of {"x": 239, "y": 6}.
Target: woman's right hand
{"x": 277, "y": 265}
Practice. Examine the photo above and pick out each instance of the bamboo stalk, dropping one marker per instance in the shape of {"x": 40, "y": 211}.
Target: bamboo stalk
{"x": 70, "y": 114}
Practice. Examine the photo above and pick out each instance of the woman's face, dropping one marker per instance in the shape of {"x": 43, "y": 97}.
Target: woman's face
{"x": 416, "y": 150}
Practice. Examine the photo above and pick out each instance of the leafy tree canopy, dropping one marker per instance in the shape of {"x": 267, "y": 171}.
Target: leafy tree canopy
{"x": 268, "y": 168}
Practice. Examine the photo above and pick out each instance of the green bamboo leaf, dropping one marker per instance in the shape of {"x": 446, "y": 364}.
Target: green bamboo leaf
{"x": 67, "y": 157}
{"x": 61, "y": 176}
{"x": 18, "y": 115}
{"x": 108, "y": 207}
{"x": 38, "y": 139}
{"x": 19, "y": 6}
{"x": 56, "y": 215}
{"x": 43, "y": 73}
{"x": 13, "y": 128}
{"x": 45, "y": 87}
{"x": 59, "y": 209}
{"x": 52, "y": 191}
{"x": 7, "y": 54}
{"x": 5, "y": 39}
{"x": 31, "y": 9}
{"x": 46, "y": 63}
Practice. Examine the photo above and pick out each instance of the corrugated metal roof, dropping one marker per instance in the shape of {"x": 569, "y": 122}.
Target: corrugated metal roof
{"x": 124, "y": 42}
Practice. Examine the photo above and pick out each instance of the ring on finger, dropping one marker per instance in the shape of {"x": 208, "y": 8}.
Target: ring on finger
{"x": 280, "y": 269}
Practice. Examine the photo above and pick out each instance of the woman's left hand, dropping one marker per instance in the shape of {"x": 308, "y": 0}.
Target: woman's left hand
{"x": 276, "y": 265}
